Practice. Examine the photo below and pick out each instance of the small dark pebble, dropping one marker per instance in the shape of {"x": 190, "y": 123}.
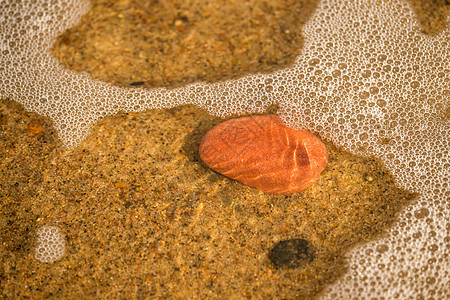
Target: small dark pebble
{"x": 137, "y": 83}
{"x": 291, "y": 253}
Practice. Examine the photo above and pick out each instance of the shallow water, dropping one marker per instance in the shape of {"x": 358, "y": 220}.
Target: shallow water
{"x": 142, "y": 215}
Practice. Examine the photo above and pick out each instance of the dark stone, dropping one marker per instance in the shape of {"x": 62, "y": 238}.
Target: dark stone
{"x": 291, "y": 253}
{"x": 137, "y": 83}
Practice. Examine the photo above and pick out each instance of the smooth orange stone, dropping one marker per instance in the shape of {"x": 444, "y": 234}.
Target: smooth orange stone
{"x": 264, "y": 153}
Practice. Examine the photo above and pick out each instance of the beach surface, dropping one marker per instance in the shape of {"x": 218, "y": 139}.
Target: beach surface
{"x": 143, "y": 216}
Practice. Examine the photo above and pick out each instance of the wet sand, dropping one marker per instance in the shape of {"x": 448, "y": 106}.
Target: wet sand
{"x": 143, "y": 216}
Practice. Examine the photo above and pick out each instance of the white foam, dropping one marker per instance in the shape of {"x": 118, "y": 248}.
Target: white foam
{"x": 50, "y": 244}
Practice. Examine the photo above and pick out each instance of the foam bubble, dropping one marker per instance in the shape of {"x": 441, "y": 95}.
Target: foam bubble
{"x": 50, "y": 244}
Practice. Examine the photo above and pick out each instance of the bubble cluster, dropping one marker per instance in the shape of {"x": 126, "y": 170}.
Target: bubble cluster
{"x": 367, "y": 79}
{"x": 50, "y": 244}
